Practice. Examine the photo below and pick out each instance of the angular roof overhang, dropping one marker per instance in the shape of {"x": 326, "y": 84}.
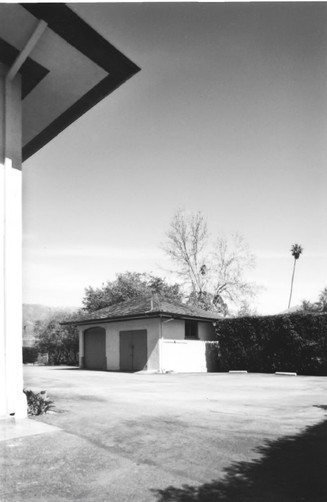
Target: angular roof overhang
{"x": 152, "y": 315}
{"x": 71, "y": 68}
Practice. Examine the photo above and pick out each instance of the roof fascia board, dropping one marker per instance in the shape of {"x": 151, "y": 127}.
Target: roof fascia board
{"x": 70, "y": 27}
{"x": 138, "y": 317}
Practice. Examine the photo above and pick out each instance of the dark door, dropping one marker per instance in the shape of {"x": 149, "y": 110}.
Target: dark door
{"x": 95, "y": 349}
{"x": 133, "y": 350}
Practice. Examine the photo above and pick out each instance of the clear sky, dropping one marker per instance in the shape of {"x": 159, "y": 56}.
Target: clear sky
{"x": 228, "y": 116}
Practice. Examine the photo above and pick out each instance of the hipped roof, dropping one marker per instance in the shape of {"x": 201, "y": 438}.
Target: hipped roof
{"x": 148, "y": 306}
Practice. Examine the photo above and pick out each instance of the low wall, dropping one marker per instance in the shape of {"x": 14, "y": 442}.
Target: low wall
{"x": 187, "y": 356}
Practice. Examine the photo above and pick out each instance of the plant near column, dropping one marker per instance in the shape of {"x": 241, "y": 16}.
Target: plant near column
{"x": 38, "y": 403}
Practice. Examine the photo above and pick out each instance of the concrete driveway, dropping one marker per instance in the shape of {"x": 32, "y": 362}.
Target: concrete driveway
{"x": 174, "y": 437}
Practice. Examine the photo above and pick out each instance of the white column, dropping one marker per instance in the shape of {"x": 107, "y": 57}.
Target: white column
{"x": 81, "y": 347}
{"x": 160, "y": 346}
{"x": 12, "y": 399}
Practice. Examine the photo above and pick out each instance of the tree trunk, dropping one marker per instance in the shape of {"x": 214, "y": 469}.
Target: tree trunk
{"x": 289, "y": 302}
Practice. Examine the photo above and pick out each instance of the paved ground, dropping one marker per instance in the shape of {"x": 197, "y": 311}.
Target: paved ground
{"x": 159, "y": 438}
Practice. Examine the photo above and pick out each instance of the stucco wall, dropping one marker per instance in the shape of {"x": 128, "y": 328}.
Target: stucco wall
{"x": 112, "y": 341}
{"x": 177, "y": 354}
{"x": 184, "y": 356}
{"x": 173, "y": 330}
{"x": 180, "y": 355}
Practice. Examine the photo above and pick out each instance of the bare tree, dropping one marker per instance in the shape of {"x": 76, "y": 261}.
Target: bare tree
{"x": 231, "y": 259}
{"x": 212, "y": 274}
{"x": 186, "y": 245}
{"x": 296, "y": 251}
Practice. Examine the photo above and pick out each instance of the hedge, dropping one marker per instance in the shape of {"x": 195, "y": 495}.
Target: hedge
{"x": 293, "y": 342}
{"x": 30, "y": 355}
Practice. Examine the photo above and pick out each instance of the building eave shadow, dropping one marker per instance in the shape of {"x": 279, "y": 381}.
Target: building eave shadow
{"x": 290, "y": 469}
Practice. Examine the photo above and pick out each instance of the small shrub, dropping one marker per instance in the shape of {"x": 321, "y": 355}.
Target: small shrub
{"x": 30, "y": 355}
{"x": 60, "y": 342}
{"x": 38, "y": 403}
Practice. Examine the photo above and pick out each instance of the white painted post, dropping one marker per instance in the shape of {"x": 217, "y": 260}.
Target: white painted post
{"x": 12, "y": 398}
{"x": 81, "y": 347}
{"x": 160, "y": 340}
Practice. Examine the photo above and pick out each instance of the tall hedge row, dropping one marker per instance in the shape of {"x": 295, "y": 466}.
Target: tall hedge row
{"x": 294, "y": 342}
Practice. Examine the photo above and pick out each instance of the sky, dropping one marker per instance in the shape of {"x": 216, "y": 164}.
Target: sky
{"x": 228, "y": 116}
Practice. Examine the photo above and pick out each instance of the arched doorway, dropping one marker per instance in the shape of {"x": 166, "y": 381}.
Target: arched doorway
{"x": 95, "y": 349}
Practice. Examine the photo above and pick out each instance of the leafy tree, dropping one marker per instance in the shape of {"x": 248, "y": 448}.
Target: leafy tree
{"x": 60, "y": 342}
{"x": 319, "y": 306}
{"x": 125, "y": 287}
{"x": 212, "y": 273}
{"x": 296, "y": 252}
{"x": 245, "y": 310}
{"x": 307, "y": 306}
{"x": 322, "y": 301}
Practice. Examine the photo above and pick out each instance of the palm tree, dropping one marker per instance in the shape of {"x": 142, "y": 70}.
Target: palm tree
{"x": 296, "y": 251}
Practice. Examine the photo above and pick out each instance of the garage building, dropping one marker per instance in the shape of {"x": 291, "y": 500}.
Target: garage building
{"x": 149, "y": 333}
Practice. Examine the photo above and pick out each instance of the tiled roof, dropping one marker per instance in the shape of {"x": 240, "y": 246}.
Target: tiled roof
{"x": 146, "y": 306}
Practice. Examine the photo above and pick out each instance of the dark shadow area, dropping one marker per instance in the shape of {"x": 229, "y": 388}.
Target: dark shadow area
{"x": 321, "y": 406}
{"x": 212, "y": 358}
{"x": 93, "y": 399}
{"x": 77, "y": 368}
{"x": 291, "y": 469}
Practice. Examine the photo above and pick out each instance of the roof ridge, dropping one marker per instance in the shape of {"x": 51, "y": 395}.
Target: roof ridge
{"x": 149, "y": 304}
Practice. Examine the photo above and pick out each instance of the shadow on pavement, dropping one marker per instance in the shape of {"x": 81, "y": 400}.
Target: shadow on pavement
{"x": 291, "y": 469}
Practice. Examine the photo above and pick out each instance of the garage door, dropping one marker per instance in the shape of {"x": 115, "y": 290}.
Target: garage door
{"x": 133, "y": 350}
{"x": 95, "y": 349}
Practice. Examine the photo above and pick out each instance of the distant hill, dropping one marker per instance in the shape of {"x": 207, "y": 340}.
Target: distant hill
{"x": 43, "y": 313}
{"x": 36, "y": 312}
